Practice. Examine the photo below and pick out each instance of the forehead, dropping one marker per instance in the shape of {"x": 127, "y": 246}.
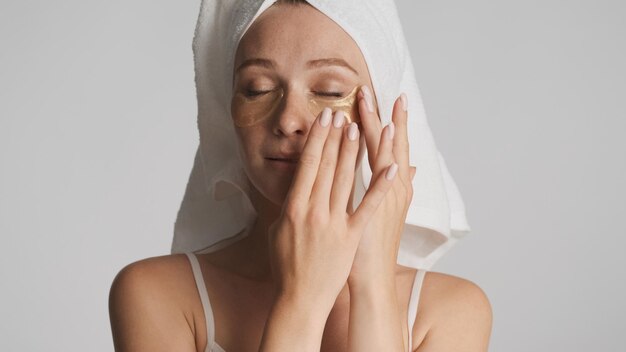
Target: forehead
{"x": 296, "y": 34}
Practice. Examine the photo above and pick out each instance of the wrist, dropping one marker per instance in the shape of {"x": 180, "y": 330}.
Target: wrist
{"x": 293, "y": 322}
{"x": 315, "y": 308}
{"x": 377, "y": 279}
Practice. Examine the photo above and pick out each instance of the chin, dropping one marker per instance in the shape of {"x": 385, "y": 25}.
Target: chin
{"x": 273, "y": 189}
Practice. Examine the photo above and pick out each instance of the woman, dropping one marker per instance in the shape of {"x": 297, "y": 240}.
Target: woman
{"x": 309, "y": 264}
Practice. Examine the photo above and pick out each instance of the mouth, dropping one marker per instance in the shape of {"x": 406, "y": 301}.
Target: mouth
{"x": 284, "y": 160}
{"x": 282, "y": 165}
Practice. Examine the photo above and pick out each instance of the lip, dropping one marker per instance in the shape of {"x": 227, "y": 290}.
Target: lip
{"x": 287, "y": 160}
{"x": 283, "y": 164}
{"x": 291, "y": 157}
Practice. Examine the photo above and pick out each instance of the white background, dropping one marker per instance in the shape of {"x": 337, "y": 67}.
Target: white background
{"x": 525, "y": 100}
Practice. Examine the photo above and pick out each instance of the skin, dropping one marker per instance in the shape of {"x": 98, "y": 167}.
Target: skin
{"x": 334, "y": 286}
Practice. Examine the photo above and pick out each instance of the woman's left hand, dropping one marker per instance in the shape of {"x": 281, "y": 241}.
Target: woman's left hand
{"x": 377, "y": 253}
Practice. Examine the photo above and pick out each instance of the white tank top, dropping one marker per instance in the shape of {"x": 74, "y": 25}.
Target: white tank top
{"x": 212, "y": 346}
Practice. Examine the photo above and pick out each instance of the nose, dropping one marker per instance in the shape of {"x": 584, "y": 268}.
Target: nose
{"x": 293, "y": 117}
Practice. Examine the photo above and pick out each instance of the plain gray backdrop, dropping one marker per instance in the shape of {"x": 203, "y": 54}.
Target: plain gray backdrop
{"x": 525, "y": 100}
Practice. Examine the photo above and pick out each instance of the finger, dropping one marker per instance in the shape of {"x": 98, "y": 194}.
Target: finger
{"x": 413, "y": 169}
{"x": 401, "y": 140}
{"x": 308, "y": 164}
{"x": 373, "y": 197}
{"x": 370, "y": 123}
{"x": 344, "y": 174}
{"x": 328, "y": 163}
{"x": 384, "y": 154}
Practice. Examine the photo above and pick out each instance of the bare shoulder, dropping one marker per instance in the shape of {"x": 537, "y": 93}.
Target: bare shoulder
{"x": 454, "y": 313}
{"x": 164, "y": 276}
{"x": 149, "y": 305}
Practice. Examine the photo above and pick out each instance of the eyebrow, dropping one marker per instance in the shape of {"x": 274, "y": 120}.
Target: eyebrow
{"x": 311, "y": 64}
{"x": 331, "y": 62}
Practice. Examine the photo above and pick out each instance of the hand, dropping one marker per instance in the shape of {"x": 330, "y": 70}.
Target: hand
{"x": 378, "y": 250}
{"x": 313, "y": 242}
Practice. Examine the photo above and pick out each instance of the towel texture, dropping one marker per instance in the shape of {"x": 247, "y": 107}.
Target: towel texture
{"x": 216, "y": 207}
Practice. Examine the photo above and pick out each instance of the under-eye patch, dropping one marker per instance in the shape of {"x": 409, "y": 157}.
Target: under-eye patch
{"x": 348, "y": 104}
{"x": 248, "y": 111}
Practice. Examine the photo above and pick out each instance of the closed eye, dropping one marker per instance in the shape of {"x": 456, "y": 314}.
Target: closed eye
{"x": 330, "y": 94}
{"x": 254, "y": 93}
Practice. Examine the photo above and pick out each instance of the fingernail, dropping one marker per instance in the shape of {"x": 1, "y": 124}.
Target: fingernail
{"x": 353, "y": 131}
{"x": 325, "y": 119}
{"x": 338, "y": 121}
{"x": 391, "y": 129}
{"x": 367, "y": 94}
{"x": 405, "y": 104}
{"x": 391, "y": 172}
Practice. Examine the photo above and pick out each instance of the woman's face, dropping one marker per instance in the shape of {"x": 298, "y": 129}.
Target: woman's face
{"x": 291, "y": 59}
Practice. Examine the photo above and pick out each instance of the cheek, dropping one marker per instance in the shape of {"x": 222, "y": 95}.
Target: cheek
{"x": 249, "y": 144}
{"x": 248, "y": 111}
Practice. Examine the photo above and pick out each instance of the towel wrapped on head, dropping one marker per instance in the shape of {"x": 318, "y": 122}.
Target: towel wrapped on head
{"x": 216, "y": 209}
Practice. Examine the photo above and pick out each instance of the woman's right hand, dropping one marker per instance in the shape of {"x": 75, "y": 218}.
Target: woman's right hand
{"x": 313, "y": 242}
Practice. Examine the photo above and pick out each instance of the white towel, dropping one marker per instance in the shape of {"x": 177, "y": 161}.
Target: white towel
{"x": 216, "y": 207}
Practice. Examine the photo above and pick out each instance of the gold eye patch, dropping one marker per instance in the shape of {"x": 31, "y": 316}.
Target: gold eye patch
{"x": 249, "y": 111}
{"x": 348, "y": 104}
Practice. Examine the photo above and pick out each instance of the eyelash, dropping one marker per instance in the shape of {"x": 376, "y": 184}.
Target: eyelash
{"x": 253, "y": 93}
{"x": 331, "y": 94}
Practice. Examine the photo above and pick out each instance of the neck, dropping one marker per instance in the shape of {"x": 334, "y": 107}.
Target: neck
{"x": 251, "y": 257}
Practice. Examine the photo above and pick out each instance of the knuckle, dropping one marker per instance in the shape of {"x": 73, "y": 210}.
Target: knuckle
{"x": 317, "y": 216}
{"x": 350, "y": 148}
{"x": 292, "y": 212}
{"x": 378, "y": 192}
{"x": 342, "y": 180}
{"x": 327, "y": 163}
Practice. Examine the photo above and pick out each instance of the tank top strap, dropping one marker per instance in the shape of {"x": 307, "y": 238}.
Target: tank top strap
{"x": 206, "y": 304}
{"x": 413, "y": 302}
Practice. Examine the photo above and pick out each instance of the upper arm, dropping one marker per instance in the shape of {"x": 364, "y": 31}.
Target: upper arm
{"x": 461, "y": 317}
{"x": 143, "y": 315}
